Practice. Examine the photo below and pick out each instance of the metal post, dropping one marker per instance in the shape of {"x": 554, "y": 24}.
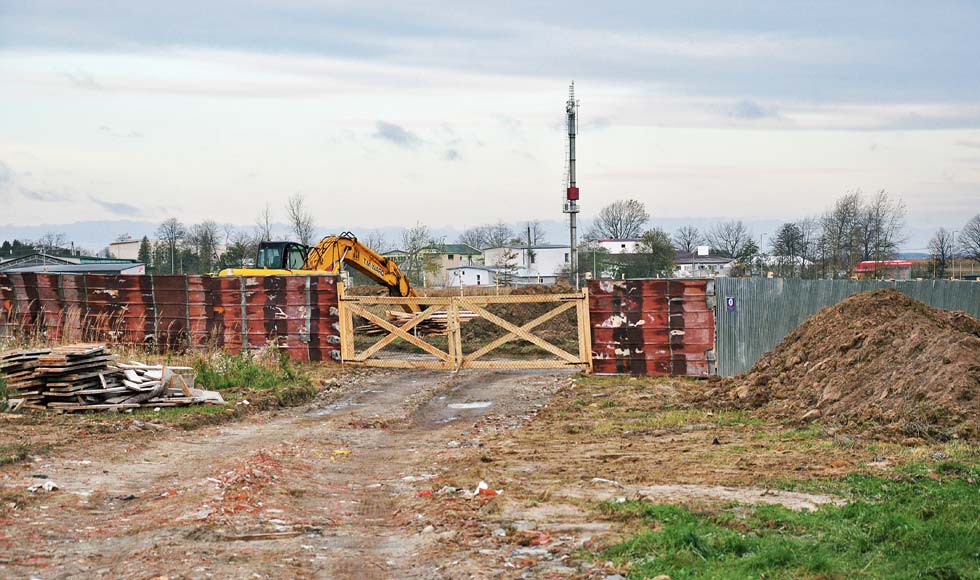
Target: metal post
{"x": 571, "y": 205}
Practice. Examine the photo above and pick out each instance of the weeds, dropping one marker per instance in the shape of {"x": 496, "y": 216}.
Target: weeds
{"x": 244, "y": 370}
{"x": 921, "y": 525}
{"x": 3, "y": 394}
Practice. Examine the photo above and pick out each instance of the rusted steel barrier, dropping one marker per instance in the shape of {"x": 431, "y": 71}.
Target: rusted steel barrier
{"x": 652, "y": 327}
{"x": 296, "y": 314}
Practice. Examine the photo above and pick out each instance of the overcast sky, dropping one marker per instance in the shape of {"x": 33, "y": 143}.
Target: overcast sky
{"x": 450, "y": 113}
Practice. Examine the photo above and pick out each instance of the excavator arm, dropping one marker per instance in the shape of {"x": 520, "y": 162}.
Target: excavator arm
{"x": 333, "y": 252}
{"x": 329, "y": 257}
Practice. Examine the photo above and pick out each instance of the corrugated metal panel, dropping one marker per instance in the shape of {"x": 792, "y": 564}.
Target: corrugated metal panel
{"x": 766, "y": 310}
{"x": 651, "y": 327}
{"x": 297, "y": 314}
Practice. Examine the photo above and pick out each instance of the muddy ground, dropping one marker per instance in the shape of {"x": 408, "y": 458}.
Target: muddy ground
{"x": 374, "y": 480}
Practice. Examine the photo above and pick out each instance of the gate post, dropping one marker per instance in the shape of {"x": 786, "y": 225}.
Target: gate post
{"x": 346, "y": 325}
{"x": 584, "y": 330}
{"x": 455, "y": 345}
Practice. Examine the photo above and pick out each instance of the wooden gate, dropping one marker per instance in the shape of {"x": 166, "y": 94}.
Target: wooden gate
{"x": 457, "y": 349}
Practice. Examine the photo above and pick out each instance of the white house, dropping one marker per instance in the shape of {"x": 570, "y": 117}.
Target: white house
{"x": 541, "y": 264}
{"x": 472, "y": 275}
{"x": 623, "y": 246}
{"x": 693, "y": 265}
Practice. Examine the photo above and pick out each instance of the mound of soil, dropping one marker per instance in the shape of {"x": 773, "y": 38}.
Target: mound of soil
{"x": 879, "y": 360}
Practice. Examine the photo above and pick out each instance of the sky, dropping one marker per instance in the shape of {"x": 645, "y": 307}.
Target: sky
{"x": 450, "y": 114}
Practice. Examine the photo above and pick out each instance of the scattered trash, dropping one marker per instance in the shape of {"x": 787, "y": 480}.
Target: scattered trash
{"x": 125, "y": 497}
{"x": 424, "y": 493}
{"x": 483, "y": 489}
{"x": 46, "y": 486}
{"x": 448, "y": 489}
{"x": 604, "y": 480}
{"x": 499, "y": 532}
{"x": 414, "y": 478}
{"x": 475, "y": 405}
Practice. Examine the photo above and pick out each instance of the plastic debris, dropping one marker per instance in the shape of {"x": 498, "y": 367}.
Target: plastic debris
{"x": 483, "y": 489}
{"x": 46, "y": 486}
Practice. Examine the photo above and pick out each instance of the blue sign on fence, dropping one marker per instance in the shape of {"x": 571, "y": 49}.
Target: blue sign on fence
{"x": 730, "y": 303}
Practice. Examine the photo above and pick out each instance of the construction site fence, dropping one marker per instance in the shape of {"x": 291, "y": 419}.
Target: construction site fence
{"x": 753, "y": 315}
{"x": 297, "y": 315}
{"x": 652, "y": 327}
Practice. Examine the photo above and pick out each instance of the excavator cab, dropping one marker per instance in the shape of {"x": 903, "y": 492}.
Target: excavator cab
{"x": 281, "y": 256}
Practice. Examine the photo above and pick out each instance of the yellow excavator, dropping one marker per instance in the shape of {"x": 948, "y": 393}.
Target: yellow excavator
{"x": 328, "y": 257}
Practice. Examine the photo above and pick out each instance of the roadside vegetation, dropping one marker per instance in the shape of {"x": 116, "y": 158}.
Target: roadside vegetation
{"x": 920, "y": 522}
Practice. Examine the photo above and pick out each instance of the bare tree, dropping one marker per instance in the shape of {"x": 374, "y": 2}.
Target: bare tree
{"x": 841, "y": 234}
{"x": 263, "y": 224}
{"x": 414, "y": 241}
{"x": 970, "y": 239}
{"x": 787, "y": 249}
{"x": 620, "y": 220}
{"x": 809, "y": 244}
{"x": 732, "y": 239}
{"x": 51, "y": 241}
{"x": 487, "y": 236}
{"x": 654, "y": 254}
{"x": 202, "y": 241}
{"x": 942, "y": 251}
{"x": 882, "y": 222}
{"x": 300, "y": 219}
{"x": 688, "y": 238}
{"x": 377, "y": 242}
{"x": 170, "y": 233}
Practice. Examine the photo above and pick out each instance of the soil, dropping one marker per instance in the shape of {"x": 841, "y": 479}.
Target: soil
{"x": 877, "y": 360}
{"x": 376, "y": 479}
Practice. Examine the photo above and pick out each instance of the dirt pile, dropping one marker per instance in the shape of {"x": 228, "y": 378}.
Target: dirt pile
{"x": 879, "y": 360}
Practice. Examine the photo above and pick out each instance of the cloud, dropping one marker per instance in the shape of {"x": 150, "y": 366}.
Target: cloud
{"x": 120, "y": 135}
{"x": 968, "y": 143}
{"x": 83, "y": 80}
{"x": 45, "y": 196}
{"x": 396, "y": 134}
{"x": 452, "y": 154}
{"x": 748, "y": 110}
{"x": 117, "y": 207}
{"x": 6, "y": 175}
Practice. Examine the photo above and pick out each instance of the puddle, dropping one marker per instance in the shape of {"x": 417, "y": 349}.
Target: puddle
{"x": 473, "y": 405}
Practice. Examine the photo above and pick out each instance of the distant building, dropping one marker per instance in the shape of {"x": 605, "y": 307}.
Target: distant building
{"x": 72, "y": 265}
{"x": 467, "y": 276}
{"x": 618, "y": 246}
{"x": 126, "y": 249}
{"x": 701, "y": 265}
{"x": 891, "y": 269}
{"x": 520, "y": 265}
{"x": 439, "y": 260}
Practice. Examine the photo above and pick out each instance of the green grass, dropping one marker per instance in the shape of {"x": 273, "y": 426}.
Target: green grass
{"x": 3, "y": 394}
{"x": 244, "y": 371}
{"x": 921, "y": 523}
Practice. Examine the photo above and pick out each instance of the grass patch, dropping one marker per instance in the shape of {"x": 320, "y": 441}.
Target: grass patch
{"x": 13, "y": 453}
{"x": 243, "y": 370}
{"x": 910, "y": 525}
{"x": 669, "y": 419}
{"x": 3, "y": 394}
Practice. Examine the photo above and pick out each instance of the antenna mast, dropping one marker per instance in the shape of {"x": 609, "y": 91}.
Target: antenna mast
{"x": 571, "y": 193}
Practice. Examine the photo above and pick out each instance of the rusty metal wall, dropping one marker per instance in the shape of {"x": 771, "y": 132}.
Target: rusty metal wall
{"x": 298, "y": 314}
{"x": 652, "y": 327}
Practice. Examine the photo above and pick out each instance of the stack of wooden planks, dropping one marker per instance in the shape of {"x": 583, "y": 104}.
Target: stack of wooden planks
{"x": 436, "y": 324}
{"x": 85, "y": 377}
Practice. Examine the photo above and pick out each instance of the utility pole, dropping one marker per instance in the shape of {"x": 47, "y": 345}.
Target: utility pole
{"x": 571, "y": 193}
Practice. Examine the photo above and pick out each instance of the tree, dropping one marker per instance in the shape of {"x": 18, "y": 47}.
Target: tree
{"x": 942, "y": 251}
{"x": 300, "y": 219}
{"x": 202, "y": 244}
{"x": 688, "y": 238}
{"x": 263, "y": 224}
{"x": 620, "y": 220}
{"x": 239, "y": 250}
{"x": 507, "y": 266}
{"x": 732, "y": 239}
{"x": 145, "y": 254}
{"x": 970, "y": 239}
{"x": 171, "y": 232}
{"x": 787, "y": 249}
{"x": 841, "y": 234}
{"x": 414, "y": 241}
{"x": 654, "y": 255}
{"x": 377, "y": 242}
{"x": 881, "y": 224}
{"x": 487, "y": 236}
{"x": 51, "y": 241}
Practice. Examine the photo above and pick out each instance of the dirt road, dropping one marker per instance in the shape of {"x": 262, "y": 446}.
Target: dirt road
{"x": 327, "y": 491}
